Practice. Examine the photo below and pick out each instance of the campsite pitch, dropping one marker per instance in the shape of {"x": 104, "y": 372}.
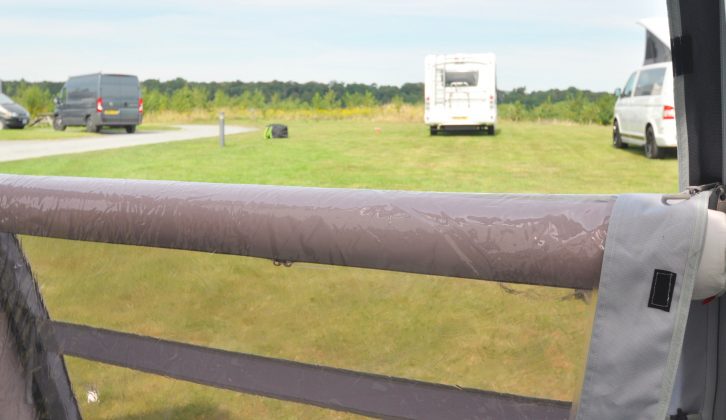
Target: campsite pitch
{"x": 514, "y": 339}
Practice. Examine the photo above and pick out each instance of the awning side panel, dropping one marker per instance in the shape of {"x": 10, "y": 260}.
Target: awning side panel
{"x": 695, "y": 46}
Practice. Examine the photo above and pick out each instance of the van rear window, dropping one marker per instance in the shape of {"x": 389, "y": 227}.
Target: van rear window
{"x": 650, "y": 82}
{"x": 461, "y": 78}
{"x": 125, "y": 87}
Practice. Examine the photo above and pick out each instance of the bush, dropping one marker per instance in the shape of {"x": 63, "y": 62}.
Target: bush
{"x": 36, "y": 100}
{"x": 577, "y": 108}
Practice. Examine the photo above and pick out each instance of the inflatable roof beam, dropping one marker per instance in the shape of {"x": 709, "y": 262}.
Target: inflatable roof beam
{"x": 549, "y": 240}
{"x": 711, "y": 276}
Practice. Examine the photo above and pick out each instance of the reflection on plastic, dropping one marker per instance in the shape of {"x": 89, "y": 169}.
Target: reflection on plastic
{"x": 554, "y": 240}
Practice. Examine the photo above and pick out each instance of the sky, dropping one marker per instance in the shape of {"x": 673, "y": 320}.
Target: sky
{"x": 540, "y": 44}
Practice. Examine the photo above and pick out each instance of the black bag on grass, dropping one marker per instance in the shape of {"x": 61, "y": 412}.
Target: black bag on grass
{"x": 276, "y": 131}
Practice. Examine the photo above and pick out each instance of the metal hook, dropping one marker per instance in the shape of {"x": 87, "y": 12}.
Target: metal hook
{"x": 667, "y": 198}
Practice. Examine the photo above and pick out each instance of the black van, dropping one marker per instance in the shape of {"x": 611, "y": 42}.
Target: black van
{"x": 99, "y": 100}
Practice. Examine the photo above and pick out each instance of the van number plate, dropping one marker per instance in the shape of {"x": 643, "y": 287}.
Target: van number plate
{"x": 111, "y": 112}
{"x": 461, "y": 118}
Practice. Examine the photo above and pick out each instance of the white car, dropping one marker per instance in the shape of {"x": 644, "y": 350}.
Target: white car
{"x": 644, "y": 111}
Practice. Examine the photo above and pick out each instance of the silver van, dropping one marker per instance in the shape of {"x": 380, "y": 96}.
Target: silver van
{"x": 99, "y": 100}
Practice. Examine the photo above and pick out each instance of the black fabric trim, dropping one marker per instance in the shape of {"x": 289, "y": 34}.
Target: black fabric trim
{"x": 682, "y": 53}
{"x": 698, "y": 60}
{"x": 337, "y": 389}
{"x": 661, "y": 290}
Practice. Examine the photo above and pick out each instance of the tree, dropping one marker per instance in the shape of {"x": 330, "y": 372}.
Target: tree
{"x": 359, "y": 99}
{"x": 200, "y": 97}
{"x": 327, "y": 101}
{"x": 221, "y": 99}
{"x": 182, "y": 100}
{"x": 35, "y": 100}
{"x": 154, "y": 100}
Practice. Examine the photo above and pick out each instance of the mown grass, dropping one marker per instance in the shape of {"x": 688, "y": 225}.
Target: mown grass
{"x": 523, "y": 157}
{"x": 47, "y": 133}
{"x": 43, "y": 133}
{"x": 463, "y": 332}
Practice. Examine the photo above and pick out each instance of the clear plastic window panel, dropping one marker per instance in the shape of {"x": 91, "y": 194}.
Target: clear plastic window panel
{"x": 526, "y": 340}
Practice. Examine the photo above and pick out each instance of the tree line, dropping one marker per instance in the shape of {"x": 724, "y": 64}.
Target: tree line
{"x": 581, "y": 106}
{"x": 180, "y": 95}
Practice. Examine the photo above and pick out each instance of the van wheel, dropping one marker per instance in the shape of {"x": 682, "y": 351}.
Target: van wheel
{"x": 91, "y": 127}
{"x": 130, "y": 129}
{"x": 58, "y": 123}
{"x": 491, "y": 130}
{"x": 433, "y": 131}
{"x": 617, "y": 138}
{"x": 652, "y": 151}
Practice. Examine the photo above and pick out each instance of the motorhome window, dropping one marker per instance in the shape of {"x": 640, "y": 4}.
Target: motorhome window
{"x": 628, "y": 89}
{"x": 5, "y": 100}
{"x": 120, "y": 87}
{"x": 650, "y": 82}
{"x": 461, "y": 78}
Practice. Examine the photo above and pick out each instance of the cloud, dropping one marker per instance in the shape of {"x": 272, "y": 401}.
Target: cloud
{"x": 587, "y": 43}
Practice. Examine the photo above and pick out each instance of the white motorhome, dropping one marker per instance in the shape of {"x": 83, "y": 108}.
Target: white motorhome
{"x": 461, "y": 92}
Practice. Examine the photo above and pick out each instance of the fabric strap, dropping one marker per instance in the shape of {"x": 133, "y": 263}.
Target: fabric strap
{"x": 651, "y": 259}
{"x": 338, "y": 389}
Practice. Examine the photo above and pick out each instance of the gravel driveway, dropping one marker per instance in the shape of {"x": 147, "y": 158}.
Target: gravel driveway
{"x": 28, "y": 149}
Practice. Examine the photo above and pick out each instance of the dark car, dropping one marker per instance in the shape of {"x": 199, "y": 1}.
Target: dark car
{"x": 99, "y": 100}
{"x": 12, "y": 115}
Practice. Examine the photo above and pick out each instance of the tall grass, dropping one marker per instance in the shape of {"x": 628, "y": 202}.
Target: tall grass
{"x": 380, "y": 113}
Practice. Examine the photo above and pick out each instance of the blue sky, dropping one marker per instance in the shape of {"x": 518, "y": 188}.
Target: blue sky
{"x": 591, "y": 44}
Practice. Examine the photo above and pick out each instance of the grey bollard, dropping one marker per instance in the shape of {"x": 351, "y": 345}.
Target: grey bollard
{"x": 221, "y": 129}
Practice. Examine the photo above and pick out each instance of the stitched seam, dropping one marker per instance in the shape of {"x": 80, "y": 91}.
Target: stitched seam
{"x": 670, "y": 287}
{"x": 593, "y": 356}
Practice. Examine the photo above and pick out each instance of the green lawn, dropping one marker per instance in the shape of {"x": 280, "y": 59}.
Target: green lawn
{"x": 523, "y": 157}
{"x": 43, "y": 133}
{"x": 47, "y": 133}
{"x": 469, "y": 333}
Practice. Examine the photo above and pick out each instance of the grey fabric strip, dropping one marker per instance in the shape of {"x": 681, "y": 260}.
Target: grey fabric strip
{"x": 695, "y": 385}
{"x": 23, "y": 305}
{"x": 634, "y": 348}
{"x": 337, "y": 389}
{"x": 719, "y": 407}
{"x": 674, "y": 18}
{"x": 698, "y": 94}
{"x": 554, "y": 240}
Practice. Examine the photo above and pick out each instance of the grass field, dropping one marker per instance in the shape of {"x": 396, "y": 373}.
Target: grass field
{"x": 47, "y": 133}
{"x": 474, "y": 334}
{"x": 523, "y": 157}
